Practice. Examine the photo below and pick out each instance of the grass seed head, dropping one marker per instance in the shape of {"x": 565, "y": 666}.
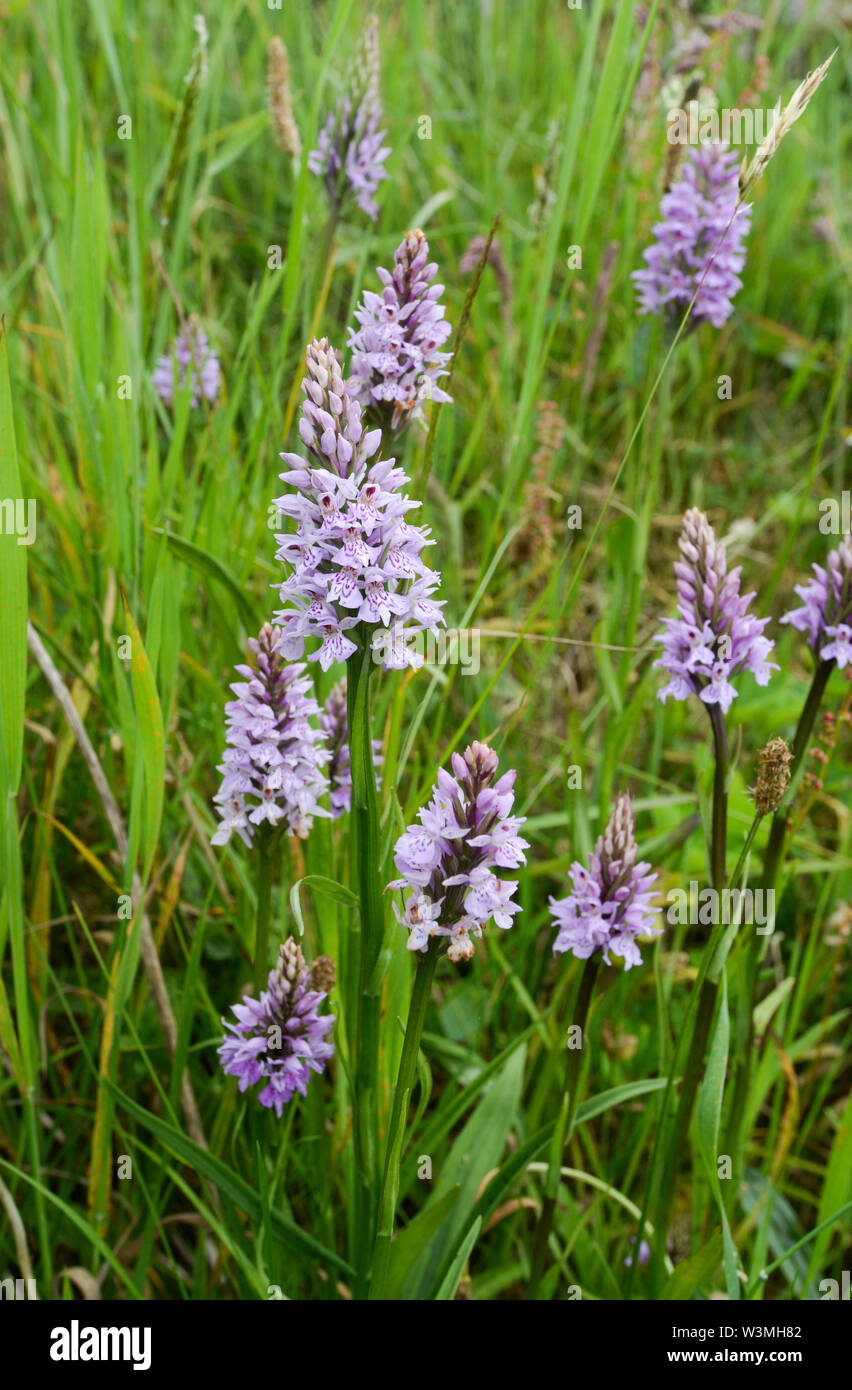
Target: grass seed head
{"x": 795, "y": 107}
{"x": 280, "y": 100}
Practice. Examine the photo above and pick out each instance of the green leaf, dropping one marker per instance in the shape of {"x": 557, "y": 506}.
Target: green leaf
{"x": 767, "y": 1007}
{"x": 837, "y": 1188}
{"x": 255, "y": 1278}
{"x": 770, "y": 1068}
{"x": 516, "y": 1164}
{"x": 450, "y": 1113}
{"x": 475, "y": 1152}
{"x": 76, "y": 1218}
{"x": 799, "y": 1245}
{"x": 409, "y": 1242}
{"x": 229, "y": 1183}
{"x": 707, "y": 1120}
{"x": 784, "y": 1228}
{"x": 596, "y": 1105}
{"x": 697, "y": 1270}
{"x": 211, "y": 568}
{"x": 447, "y": 1291}
{"x": 13, "y": 675}
{"x": 709, "y": 1107}
{"x": 327, "y": 887}
{"x": 502, "y": 1181}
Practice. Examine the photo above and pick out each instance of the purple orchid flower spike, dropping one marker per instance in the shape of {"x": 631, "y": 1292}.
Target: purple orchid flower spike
{"x": 396, "y": 357}
{"x": 191, "y": 356}
{"x": 714, "y": 637}
{"x": 280, "y": 1038}
{"x": 355, "y": 562}
{"x": 611, "y": 902}
{"x": 447, "y": 862}
{"x": 700, "y": 244}
{"x": 826, "y": 611}
{"x": 350, "y": 153}
{"x": 272, "y": 768}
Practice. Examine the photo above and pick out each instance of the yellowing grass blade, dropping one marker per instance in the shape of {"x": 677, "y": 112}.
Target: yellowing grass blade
{"x": 149, "y": 721}
{"x": 13, "y": 592}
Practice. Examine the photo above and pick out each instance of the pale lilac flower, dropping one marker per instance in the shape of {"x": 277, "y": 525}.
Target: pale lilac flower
{"x": 272, "y": 767}
{"x": 280, "y": 1038}
{"x": 840, "y": 649}
{"x": 350, "y": 154}
{"x": 827, "y": 607}
{"x": 714, "y": 637}
{"x": 334, "y": 723}
{"x": 191, "y": 354}
{"x": 396, "y": 360}
{"x": 697, "y": 211}
{"x": 611, "y": 902}
{"x": 447, "y": 862}
{"x": 356, "y": 565}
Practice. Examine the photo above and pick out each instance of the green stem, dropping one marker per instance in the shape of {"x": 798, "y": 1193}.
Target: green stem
{"x": 325, "y": 250}
{"x": 719, "y": 841}
{"x": 265, "y": 844}
{"x": 405, "y": 1080}
{"x": 680, "y": 1128}
{"x": 736, "y": 1138}
{"x": 708, "y": 993}
{"x": 771, "y": 865}
{"x": 472, "y": 291}
{"x": 365, "y": 871}
{"x": 564, "y": 1125}
{"x": 801, "y": 738}
{"x": 664, "y": 1126}
{"x": 736, "y": 876}
{"x": 743, "y": 1077}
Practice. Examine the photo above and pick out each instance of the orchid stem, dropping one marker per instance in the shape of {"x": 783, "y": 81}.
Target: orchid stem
{"x": 403, "y": 1090}
{"x": 365, "y": 872}
{"x": 708, "y": 994}
{"x": 264, "y": 908}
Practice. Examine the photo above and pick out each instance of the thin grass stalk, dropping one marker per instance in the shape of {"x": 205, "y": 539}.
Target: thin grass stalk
{"x": 777, "y": 835}
{"x": 547, "y": 1078}
{"x": 148, "y": 950}
{"x": 325, "y": 262}
{"x": 645, "y": 487}
{"x": 183, "y": 124}
{"x": 773, "y": 860}
{"x": 707, "y": 997}
{"x": 472, "y": 291}
{"x": 564, "y": 1125}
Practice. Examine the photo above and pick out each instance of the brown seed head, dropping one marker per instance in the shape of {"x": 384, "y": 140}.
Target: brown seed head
{"x": 323, "y": 974}
{"x": 280, "y": 100}
{"x": 773, "y": 776}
